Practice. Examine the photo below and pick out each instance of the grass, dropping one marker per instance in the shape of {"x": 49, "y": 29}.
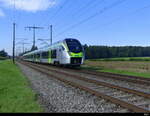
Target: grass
{"x": 132, "y": 68}
{"x": 124, "y": 59}
{"x": 2, "y": 58}
{"x": 15, "y": 94}
{"x": 144, "y": 75}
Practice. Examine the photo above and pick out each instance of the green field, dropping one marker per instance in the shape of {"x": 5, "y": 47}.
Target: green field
{"x": 15, "y": 94}
{"x": 138, "y": 66}
{"x": 2, "y": 58}
{"x": 124, "y": 59}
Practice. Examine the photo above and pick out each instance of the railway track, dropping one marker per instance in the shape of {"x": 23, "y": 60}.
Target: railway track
{"x": 135, "y": 101}
{"x": 133, "y": 79}
{"x": 139, "y": 83}
{"x": 139, "y": 80}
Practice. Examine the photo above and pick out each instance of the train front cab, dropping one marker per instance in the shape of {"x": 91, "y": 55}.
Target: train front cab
{"x": 76, "y": 52}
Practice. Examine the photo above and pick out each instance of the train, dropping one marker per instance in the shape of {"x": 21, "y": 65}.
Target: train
{"x": 67, "y": 52}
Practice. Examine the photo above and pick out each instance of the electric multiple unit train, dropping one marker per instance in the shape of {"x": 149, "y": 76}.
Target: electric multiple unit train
{"x": 65, "y": 52}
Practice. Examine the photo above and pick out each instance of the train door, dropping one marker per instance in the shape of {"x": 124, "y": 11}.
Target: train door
{"x": 63, "y": 55}
{"x": 59, "y": 55}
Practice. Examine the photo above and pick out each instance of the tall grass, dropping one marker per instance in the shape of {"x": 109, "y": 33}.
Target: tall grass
{"x": 15, "y": 94}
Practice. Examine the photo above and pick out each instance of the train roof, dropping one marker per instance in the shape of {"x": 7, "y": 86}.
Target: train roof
{"x": 48, "y": 47}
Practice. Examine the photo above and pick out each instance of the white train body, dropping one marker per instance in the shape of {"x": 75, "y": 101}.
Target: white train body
{"x": 66, "y": 52}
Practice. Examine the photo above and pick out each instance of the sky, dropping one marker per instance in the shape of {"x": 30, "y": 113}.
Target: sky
{"x": 92, "y": 22}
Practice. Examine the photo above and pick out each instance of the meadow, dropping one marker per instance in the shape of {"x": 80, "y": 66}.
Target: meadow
{"x": 138, "y": 66}
{"x": 124, "y": 59}
{"x": 15, "y": 93}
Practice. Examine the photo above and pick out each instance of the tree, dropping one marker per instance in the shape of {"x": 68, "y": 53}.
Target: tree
{"x": 3, "y": 53}
{"x": 34, "y": 48}
{"x": 96, "y": 52}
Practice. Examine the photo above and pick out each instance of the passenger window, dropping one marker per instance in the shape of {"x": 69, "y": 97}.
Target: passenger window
{"x": 45, "y": 55}
{"x": 53, "y": 54}
{"x": 63, "y": 48}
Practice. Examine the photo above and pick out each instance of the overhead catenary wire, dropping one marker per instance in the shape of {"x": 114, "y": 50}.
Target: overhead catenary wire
{"x": 123, "y": 17}
{"x": 90, "y": 5}
{"x": 44, "y": 16}
{"x": 56, "y": 13}
{"x": 84, "y": 8}
{"x": 92, "y": 16}
{"x": 19, "y": 15}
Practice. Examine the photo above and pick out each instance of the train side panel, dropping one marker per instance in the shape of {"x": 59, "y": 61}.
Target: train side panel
{"x": 66, "y": 52}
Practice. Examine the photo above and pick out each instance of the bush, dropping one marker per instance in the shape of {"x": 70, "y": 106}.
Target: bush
{"x": 3, "y": 58}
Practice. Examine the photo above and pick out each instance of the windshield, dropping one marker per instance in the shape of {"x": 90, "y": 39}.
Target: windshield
{"x": 74, "y": 45}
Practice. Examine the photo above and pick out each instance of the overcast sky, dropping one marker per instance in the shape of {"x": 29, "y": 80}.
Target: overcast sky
{"x": 93, "y": 22}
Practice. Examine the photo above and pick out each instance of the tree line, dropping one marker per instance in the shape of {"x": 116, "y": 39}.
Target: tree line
{"x": 3, "y": 53}
{"x": 97, "y": 52}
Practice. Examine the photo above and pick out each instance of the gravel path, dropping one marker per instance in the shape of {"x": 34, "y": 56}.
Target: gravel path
{"x": 55, "y": 96}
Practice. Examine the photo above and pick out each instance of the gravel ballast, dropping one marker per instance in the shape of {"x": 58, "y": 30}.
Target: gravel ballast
{"x": 56, "y": 96}
{"x": 121, "y": 83}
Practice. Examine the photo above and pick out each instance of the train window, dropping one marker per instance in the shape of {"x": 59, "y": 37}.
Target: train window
{"x": 38, "y": 55}
{"x": 31, "y": 56}
{"x": 74, "y": 46}
{"x": 34, "y": 55}
{"x": 63, "y": 48}
{"x": 45, "y": 55}
{"x": 53, "y": 54}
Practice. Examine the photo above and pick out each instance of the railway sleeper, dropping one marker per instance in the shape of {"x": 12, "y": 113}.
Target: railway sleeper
{"x": 106, "y": 91}
{"x": 92, "y": 92}
{"x": 146, "y": 106}
{"x": 122, "y": 111}
{"x": 135, "y": 99}
{"x": 115, "y": 93}
{"x": 124, "y": 96}
{"x": 109, "y": 106}
{"x": 141, "y": 103}
{"x": 114, "y": 109}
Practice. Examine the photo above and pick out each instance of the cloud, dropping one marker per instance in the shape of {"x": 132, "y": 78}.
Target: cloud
{"x": 1, "y": 13}
{"x": 29, "y": 5}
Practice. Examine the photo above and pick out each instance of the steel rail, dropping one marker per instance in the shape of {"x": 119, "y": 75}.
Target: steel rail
{"x": 133, "y": 79}
{"x": 139, "y": 80}
{"x": 99, "y": 82}
{"x": 112, "y": 99}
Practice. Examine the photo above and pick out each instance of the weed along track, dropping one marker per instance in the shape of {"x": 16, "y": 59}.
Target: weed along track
{"x": 119, "y": 80}
{"x": 128, "y": 98}
{"x": 137, "y": 83}
{"x": 133, "y": 79}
